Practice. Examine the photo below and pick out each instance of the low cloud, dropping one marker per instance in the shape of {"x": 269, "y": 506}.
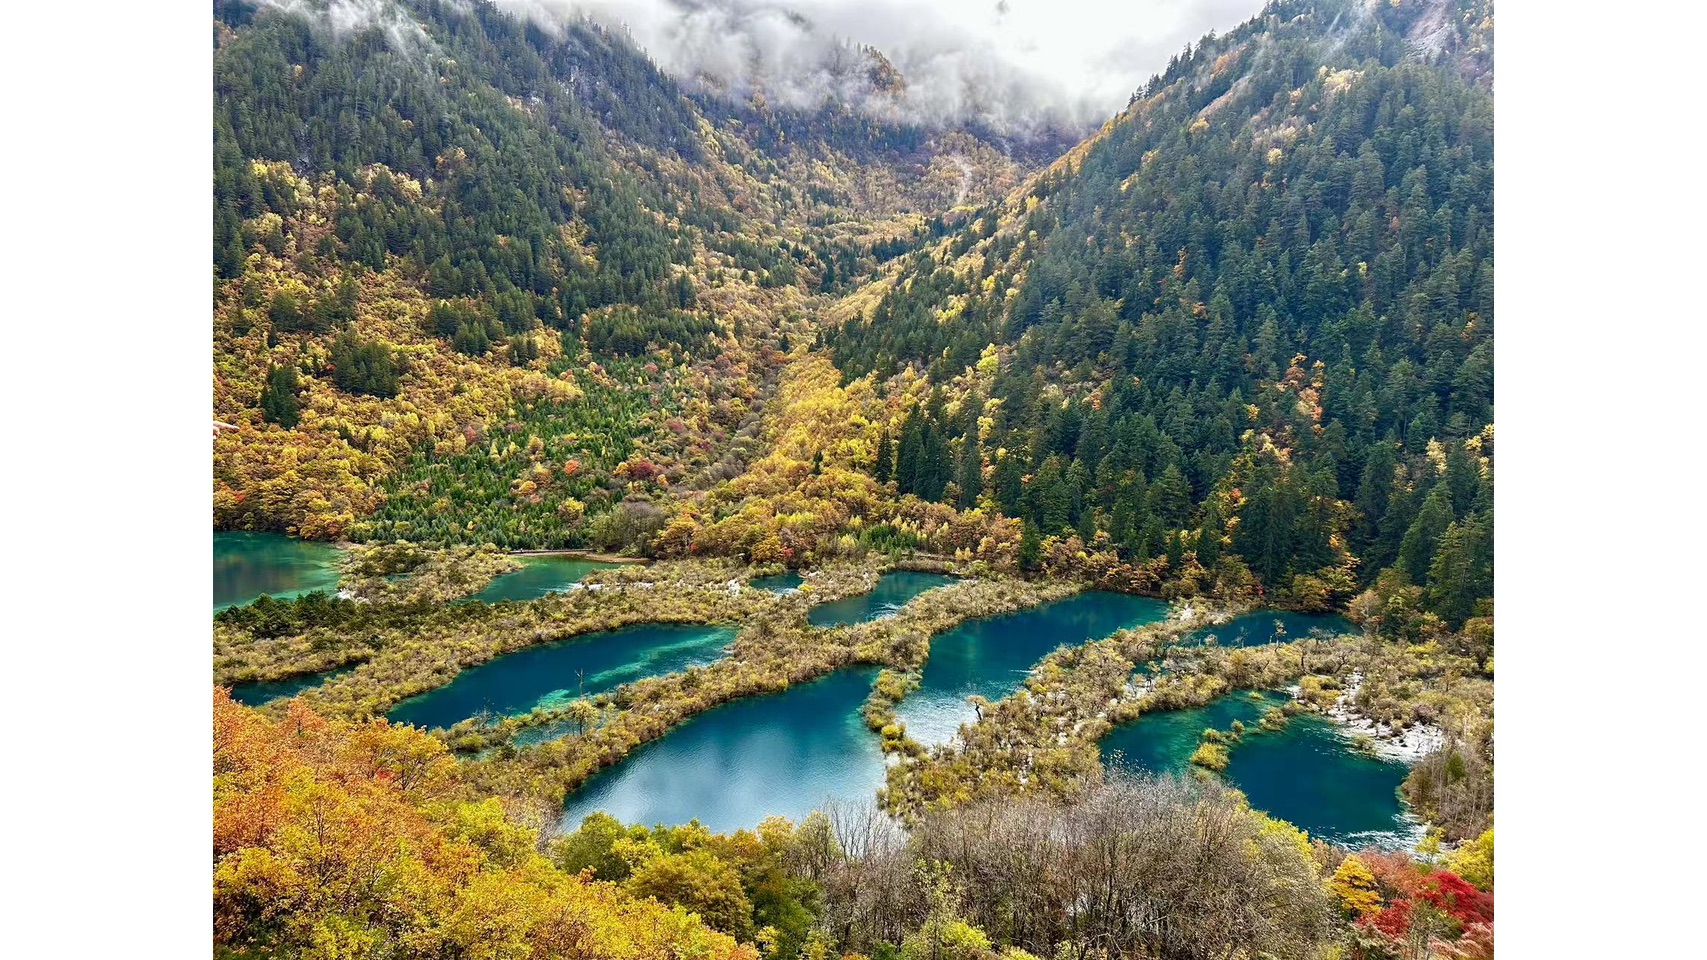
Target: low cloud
{"x": 343, "y": 17}
{"x": 1019, "y": 67}
{"x": 1016, "y": 67}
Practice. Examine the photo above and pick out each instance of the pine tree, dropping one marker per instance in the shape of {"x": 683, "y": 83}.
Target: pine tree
{"x": 1268, "y": 525}
{"x": 971, "y": 476}
{"x": 907, "y": 456}
{"x": 278, "y": 397}
{"x": 1416, "y": 551}
{"x": 1375, "y": 490}
{"x": 1030, "y": 547}
{"x": 1010, "y": 484}
{"x": 285, "y": 312}
{"x": 1170, "y": 497}
{"x": 1462, "y": 570}
{"x": 885, "y": 469}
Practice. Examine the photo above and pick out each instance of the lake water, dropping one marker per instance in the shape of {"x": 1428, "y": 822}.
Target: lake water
{"x": 779, "y": 583}
{"x": 256, "y": 694}
{"x": 730, "y": 767}
{"x": 892, "y": 591}
{"x": 991, "y": 657}
{"x": 553, "y": 674}
{"x": 247, "y": 565}
{"x": 537, "y": 577}
{"x": 1269, "y": 626}
{"x": 1307, "y": 773}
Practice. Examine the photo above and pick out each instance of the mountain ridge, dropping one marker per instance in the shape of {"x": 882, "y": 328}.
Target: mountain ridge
{"x": 696, "y": 258}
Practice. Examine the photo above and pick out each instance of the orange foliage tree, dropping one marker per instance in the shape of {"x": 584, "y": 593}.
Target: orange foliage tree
{"x": 340, "y": 839}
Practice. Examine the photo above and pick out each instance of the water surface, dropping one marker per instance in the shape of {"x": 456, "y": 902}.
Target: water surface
{"x": 1272, "y": 626}
{"x": 785, "y": 753}
{"x": 258, "y": 693}
{"x": 893, "y": 590}
{"x": 539, "y": 576}
{"x": 247, "y": 565}
{"x": 1307, "y": 773}
{"x": 991, "y": 657}
{"x": 780, "y": 582}
{"x": 553, "y": 674}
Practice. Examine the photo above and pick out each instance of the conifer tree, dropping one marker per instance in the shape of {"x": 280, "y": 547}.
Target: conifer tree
{"x": 278, "y": 397}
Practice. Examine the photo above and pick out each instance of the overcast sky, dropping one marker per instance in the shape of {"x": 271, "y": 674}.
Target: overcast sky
{"x": 1018, "y": 64}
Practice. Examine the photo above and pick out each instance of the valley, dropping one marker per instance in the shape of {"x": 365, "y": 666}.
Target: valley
{"x": 847, "y": 536}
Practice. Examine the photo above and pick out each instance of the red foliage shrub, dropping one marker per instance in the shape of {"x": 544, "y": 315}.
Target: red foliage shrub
{"x": 1394, "y": 920}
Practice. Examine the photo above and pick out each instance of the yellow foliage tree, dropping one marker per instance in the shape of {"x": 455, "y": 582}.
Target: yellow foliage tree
{"x": 335, "y": 839}
{"x": 1474, "y": 861}
{"x": 1354, "y": 885}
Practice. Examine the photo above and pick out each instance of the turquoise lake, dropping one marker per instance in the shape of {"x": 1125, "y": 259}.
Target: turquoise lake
{"x": 256, "y": 694}
{"x": 892, "y": 591}
{"x": 1269, "y": 626}
{"x": 537, "y": 577}
{"x": 991, "y": 657}
{"x": 729, "y": 768}
{"x": 1307, "y": 773}
{"x": 779, "y": 583}
{"x": 553, "y": 674}
{"x": 247, "y": 565}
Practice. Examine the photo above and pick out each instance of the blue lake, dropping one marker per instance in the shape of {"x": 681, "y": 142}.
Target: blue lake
{"x": 256, "y": 694}
{"x": 893, "y": 590}
{"x": 247, "y": 565}
{"x": 991, "y": 657}
{"x": 1307, "y": 773}
{"x": 553, "y": 674}
{"x": 1270, "y": 626}
{"x": 539, "y": 576}
{"x": 732, "y": 766}
{"x": 779, "y": 583}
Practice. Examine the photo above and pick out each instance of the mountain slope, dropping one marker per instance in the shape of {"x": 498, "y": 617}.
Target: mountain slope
{"x": 477, "y": 280}
{"x": 1246, "y": 331}
{"x": 487, "y": 282}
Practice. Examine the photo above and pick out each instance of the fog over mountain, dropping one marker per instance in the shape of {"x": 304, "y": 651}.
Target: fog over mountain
{"x": 1018, "y": 67}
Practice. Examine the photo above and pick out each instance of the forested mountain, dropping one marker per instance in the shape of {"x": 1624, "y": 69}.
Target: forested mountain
{"x": 469, "y": 269}
{"x": 1245, "y": 332}
{"x": 478, "y": 280}
{"x": 490, "y": 278}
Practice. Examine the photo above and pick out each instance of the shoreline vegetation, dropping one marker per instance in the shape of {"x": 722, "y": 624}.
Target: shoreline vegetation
{"x": 396, "y": 636}
{"x": 1027, "y": 769}
{"x": 596, "y": 556}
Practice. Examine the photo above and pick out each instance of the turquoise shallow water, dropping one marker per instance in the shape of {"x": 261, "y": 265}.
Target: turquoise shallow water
{"x": 991, "y": 657}
{"x": 1269, "y": 626}
{"x": 553, "y": 674}
{"x": 1307, "y": 774}
{"x": 537, "y": 577}
{"x": 248, "y": 565}
{"x": 892, "y": 591}
{"x": 256, "y": 694}
{"x": 786, "y": 753}
{"x": 779, "y": 583}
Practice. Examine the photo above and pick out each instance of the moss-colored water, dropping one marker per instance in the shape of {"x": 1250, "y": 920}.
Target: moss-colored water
{"x": 539, "y": 576}
{"x": 247, "y": 565}
{"x": 553, "y": 674}
{"x": 991, "y": 657}
{"x": 1272, "y": 626}
{"x": 729, "y": 768}
{"x": 1308, "y": 773}
{"x": 892, "y": 591}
